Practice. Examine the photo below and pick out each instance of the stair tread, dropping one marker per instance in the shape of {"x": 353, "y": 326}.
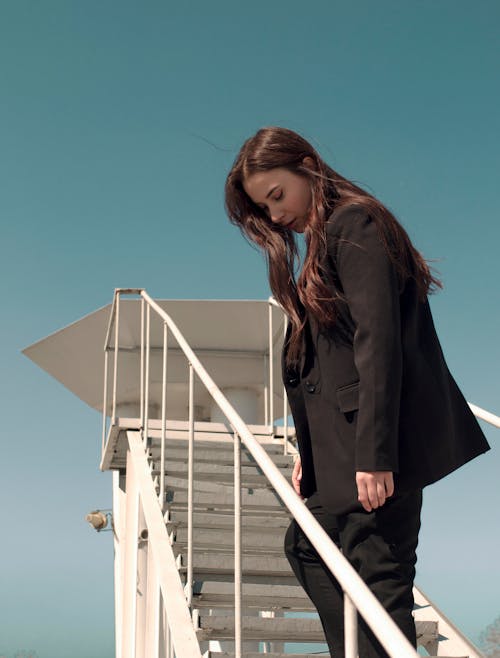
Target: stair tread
{"x": 225, "y": 520}
{"x": 224, "y": 563}
{"x": 226, "y": 508}
{"x": 254, "y": 483}
{"x": 212, "y": 441}
{"x": 248, "y": 480}
{"x": 221, "y": 627}
{"x": 254, "y": 503}
{"x": 217, "y": 537}
{"x": 262, "y": 628}
{"x": 263, "y": 596}
{"x": 209, "y": 455}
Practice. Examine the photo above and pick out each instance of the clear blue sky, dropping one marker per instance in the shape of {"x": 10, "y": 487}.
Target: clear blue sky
{"x": 118, "y": 124}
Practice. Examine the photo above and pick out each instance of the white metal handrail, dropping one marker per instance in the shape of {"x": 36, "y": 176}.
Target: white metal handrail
{"x": 487, "y": 416}
{"x": 356, "y": 593}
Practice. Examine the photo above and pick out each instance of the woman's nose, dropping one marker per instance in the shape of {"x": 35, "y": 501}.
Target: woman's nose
{"x": 277, "y": 215}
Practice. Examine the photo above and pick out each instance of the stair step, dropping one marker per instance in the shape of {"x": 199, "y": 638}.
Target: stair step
{"x": 178, "y": 504}
{"x": 256, "y": 569}
{"x": 225, "y": 520}
{"x": 212, "y": 441}
{"x": 251, "y": 565}
{"x": 181, "y": 484}
{"x": 427, "y": 631}
{"x": 285, "y": 629}
{"x": 219, "y": 473}
{"x": 210, "y": 469}
{"x": 223, "y": 457}
{"x": 217, "y": 627}
{"x": 264, "y": 596}
{"x": 260, "y": 502}
{"x": 217, "y": 538}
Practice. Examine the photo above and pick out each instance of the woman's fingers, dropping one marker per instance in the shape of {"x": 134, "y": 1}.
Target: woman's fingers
{"x": 297, "y": 475}
{"x": 374, "y": 487}
{"x": 389, "y": 483}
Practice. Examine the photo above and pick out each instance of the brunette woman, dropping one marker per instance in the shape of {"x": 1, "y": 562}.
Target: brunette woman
{"x": 377, "y": 414}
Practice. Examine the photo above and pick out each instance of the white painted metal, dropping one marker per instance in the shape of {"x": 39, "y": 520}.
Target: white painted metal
{"x": 350, "y": 628}
{"x": 152, "y": 633}
{"x": 115, "y": 362}
{"x": 119, "y": 509}
{"x": 147, "y": 376}
{"x": 271, "y": 369}
{"x": 105, "y": 401}
{"x": 141, "y": 593}
{"x": 485, "y": 415}
{"x": 189, "y": 579}
{"x": 450, "y": 641}
{"x": 181, "y": 628}
{"x": 142, "y": 365}
{"x": 237, "y": 547}
{"x": 163, "y": 413}
{"x": 130, "y": 562}
{"x": 111, "y": 319}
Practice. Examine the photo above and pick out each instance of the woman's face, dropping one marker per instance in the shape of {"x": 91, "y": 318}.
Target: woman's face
{"x": 286, "y": 197}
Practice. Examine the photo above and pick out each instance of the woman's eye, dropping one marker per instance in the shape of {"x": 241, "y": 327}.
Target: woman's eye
{"x": 279, "y": 196}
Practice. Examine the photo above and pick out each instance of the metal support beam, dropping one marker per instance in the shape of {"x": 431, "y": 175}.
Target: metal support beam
{"x": 129, "y": 577}
{"x": 237, "y": 547}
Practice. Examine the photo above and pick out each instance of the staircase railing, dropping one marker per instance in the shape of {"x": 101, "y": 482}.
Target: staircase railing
{"x": 175, "y": 601}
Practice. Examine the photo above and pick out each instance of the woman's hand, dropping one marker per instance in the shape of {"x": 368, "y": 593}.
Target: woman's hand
{"x": 297, "y": 475}
{"x": 374, "y": 487}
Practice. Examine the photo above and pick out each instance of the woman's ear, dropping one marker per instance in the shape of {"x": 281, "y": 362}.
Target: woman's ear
{"x": 309, "y": 162}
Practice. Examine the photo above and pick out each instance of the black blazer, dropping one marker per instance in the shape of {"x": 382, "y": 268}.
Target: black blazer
{"x": 378, "y": 395}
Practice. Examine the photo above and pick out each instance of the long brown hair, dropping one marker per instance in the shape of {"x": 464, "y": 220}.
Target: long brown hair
{"x": 279, "y": 147}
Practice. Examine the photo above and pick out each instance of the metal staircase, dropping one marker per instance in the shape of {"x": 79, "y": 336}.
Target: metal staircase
{"x": 200, "y": 507}
{"x": 269, "y": 588}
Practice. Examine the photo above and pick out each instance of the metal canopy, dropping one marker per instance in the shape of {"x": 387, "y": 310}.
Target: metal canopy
{"x": 231, "y": 338}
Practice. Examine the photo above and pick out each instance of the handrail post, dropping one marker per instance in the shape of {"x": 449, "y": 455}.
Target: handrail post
{"x": 285, "y": 399}
{"x": 115, "y": 368}
{"x": 271, "y": 370}
{"x": 237, "y": 546}
{"x": 350, "y": 628}
{"x": 142, "y": 366}
{"x": 189, "y": 581}
{"x": 146, "y": 384}
{"x": 105, "y": 399}
{"x": 163, "y": 415}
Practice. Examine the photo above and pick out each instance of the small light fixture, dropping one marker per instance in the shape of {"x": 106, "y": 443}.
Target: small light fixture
{"x": 99, "y": 519}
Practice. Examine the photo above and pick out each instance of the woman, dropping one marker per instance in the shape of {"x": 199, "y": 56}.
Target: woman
{"x": 378, "y": 415}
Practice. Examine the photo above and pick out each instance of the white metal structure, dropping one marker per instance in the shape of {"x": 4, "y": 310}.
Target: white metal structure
{"x": 200, "y": 494}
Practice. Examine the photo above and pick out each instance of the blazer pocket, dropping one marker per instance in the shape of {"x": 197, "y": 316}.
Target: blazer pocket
{"x": 348, "y": 397}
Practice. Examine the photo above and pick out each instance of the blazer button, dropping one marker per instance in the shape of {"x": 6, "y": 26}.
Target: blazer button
{"x": 293, "y": 381}
{"x": 310, "y": 388}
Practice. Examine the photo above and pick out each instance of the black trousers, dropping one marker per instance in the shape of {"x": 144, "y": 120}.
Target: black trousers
{"x": 381, "y": 546}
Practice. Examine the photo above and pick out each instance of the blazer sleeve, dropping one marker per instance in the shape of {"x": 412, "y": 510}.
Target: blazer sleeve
{"x": 371, "y": 289}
